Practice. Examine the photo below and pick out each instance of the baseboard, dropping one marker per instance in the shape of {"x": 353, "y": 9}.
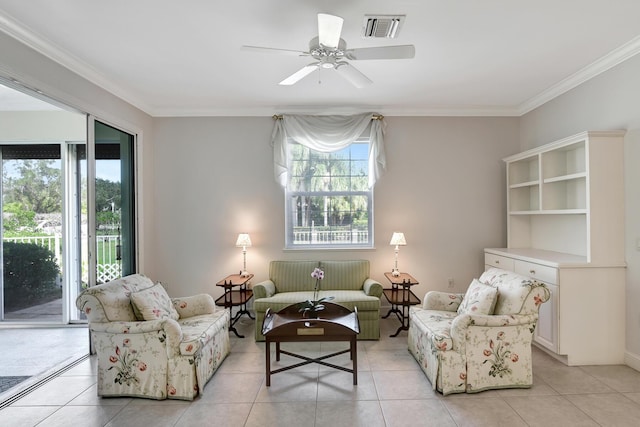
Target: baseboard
{"x": 632, "y": 360}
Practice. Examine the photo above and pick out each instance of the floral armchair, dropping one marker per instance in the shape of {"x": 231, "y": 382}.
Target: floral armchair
{"x": 479, "y": 340}
{"x": 149, "y": 345}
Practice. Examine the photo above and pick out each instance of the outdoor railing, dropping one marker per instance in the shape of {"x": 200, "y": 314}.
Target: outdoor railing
{"x": 301, "y": 237}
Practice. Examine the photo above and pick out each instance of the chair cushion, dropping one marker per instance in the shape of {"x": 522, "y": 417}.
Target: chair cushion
{"x": 153, "y": 303}
{"x": 479, "y": 299}
{"x": 436, "y": 325}
{"x": 516, "y": 294}
{"x": 111, "y": 302}
{"x": 200, "y": 329}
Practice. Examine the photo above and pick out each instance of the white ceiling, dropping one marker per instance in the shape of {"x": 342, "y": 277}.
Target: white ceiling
{"x": 473, "y": 57}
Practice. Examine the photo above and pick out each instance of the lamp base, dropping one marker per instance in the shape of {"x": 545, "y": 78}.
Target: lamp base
{"x": 395, "y": 272}
{"x": 244, "y": 273}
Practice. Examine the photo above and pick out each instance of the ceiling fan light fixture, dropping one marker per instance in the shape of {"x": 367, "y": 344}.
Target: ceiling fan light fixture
{"x": 329, "y": 29}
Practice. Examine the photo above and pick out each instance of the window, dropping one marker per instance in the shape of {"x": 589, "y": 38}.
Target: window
{"x": 328, "y": 200}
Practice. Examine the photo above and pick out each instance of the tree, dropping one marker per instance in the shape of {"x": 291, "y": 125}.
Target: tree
{"x": 37, "y": 186}
{"x": 108, "y": 203}
{"x": 16, "y": 220}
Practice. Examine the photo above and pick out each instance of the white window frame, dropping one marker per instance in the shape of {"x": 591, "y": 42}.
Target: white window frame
{"x": 318, "y": 240}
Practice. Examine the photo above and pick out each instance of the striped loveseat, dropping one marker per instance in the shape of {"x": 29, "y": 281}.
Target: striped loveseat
{"x": 290, "y": 282}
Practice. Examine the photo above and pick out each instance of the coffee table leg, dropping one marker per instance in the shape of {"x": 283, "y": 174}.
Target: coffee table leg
{"x": 268, "y": 360}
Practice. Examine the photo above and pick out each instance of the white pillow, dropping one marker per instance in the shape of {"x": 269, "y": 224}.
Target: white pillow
{"x": 153, "y": 303}
{"x": 479, "y": 299}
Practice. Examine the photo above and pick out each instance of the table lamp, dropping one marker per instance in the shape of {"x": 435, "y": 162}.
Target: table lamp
{"x": 397, "y": 239}
{"x": 243, "y": 241}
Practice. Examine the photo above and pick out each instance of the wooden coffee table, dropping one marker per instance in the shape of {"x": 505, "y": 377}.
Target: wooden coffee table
{"x": 335, "y": 323}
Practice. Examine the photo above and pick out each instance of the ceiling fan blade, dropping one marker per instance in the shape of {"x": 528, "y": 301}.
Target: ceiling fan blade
{"x": 382, "y": 52}
{"x": 329, "y": 29}
{"x": 351, "y": 73}
{"x": 273, "y": 50}
{"x": 299, "y": 75}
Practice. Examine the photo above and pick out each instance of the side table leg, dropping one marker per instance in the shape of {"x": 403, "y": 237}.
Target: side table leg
{"x": 268, "y": 364}
{"x": 354, "y": 364}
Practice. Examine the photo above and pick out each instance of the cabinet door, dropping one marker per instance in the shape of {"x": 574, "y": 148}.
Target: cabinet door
{"x": 546, "y": 333}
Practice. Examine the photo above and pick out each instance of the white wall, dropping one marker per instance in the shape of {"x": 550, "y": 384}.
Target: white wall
{"x": 444, "y": 188}
{"x": 609, "y": 101}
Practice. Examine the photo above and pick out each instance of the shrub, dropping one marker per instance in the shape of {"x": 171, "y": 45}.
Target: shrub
{"x": 30, "y": 273}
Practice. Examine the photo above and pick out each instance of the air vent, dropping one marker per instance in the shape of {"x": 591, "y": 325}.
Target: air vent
{"x": 382, "y": 26}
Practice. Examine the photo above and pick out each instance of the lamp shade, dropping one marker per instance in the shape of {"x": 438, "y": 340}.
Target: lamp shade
{"x": 398, "y": 240}
{"x": 243, "y": 240}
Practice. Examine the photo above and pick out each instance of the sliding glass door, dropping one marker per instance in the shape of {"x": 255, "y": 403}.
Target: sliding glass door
{"x": 68, "y": 212}
{"x": 115, "y": 229}
{"x": 32, "y": 237}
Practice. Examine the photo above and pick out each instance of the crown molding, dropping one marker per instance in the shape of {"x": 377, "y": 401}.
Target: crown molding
{"x": 605, "y": 63}
{"x": 433, "y": 111}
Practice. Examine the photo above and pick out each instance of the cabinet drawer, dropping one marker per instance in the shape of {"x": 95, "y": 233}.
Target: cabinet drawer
{"x": 498, "y": 261}
{"x": 537, "y": 271}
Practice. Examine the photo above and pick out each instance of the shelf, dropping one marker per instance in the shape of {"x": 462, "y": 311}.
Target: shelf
{"x": 562, "y": 178}
{"x": 551, "y": 212}
{"x": 525, "y": 184}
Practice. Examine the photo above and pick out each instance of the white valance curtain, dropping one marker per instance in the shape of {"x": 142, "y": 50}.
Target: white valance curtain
{"x": 327, "y": 134}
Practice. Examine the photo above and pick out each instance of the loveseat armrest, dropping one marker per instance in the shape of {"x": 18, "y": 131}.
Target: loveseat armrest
{"x": 264, "y": 289}
{"x": 442, "y": 301}
{"x": 166, "y": 330}
{"x": 372, "y": 288}
{"x": 194, "y": 305}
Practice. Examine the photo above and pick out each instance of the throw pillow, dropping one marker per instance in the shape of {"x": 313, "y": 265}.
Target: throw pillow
{"x": 479, "y": 299}
{"x": 153, "y": 303}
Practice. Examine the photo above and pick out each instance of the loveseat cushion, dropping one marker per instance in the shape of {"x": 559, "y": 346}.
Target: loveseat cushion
{"x": 293, "y": 276}
{"x": 479, "y": 299}
{"x": 153, "y": 303}
{"x": 347, "y": 298}
{"x": 344, "y": 275}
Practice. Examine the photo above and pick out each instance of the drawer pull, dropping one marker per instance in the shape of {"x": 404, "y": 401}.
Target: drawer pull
{"x": 497, "y": 261}
{"x": 532, "y": 272}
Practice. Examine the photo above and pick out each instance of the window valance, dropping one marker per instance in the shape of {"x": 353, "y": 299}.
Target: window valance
{"x": 328, "y": 134}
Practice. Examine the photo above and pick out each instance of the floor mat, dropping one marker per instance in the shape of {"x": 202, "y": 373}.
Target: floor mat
{"x": 7, "y": 382}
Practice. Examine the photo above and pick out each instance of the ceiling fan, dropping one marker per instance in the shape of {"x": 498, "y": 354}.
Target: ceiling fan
{"x": 330, "y": 52}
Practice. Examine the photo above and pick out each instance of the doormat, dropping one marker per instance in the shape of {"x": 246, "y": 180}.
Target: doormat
{"x": 7, "y": 382}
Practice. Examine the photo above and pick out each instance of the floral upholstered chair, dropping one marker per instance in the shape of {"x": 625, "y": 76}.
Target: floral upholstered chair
{"x": 479, "y": 340}
{"x": 149, "y": 345}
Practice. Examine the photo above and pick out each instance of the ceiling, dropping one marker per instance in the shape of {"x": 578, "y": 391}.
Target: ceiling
{"x": 473, "y": 57}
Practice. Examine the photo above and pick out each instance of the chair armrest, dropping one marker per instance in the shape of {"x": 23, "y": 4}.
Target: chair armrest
{"x": 372, "y": 288}
{"x": 264, "y": 289}
{"x": 462, "y": 323}
{"x": 167, "y": 331}
{"x": 194, "y": 305}
{"x": 442, "y": 301}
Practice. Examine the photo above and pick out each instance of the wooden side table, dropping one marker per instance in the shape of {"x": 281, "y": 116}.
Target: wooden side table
{"x": 400, "y": 297}
{"x": 235, "y": 297}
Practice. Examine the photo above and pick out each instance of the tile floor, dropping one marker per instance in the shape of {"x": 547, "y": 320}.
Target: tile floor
{"x": 392, "y": 391}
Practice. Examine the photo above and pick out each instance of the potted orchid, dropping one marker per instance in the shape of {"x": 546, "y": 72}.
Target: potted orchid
{"x": 310, "y": 308}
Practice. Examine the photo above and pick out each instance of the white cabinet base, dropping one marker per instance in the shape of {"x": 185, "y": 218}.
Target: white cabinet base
{"x": 584, "y": 322}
